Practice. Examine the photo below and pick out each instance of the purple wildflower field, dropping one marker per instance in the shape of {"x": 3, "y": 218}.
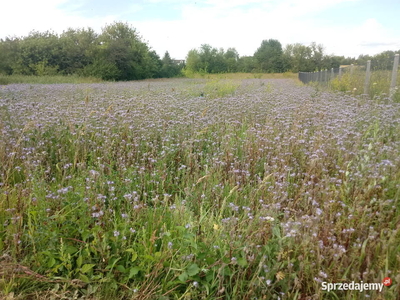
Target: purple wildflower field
{"x": 197, "y": 189}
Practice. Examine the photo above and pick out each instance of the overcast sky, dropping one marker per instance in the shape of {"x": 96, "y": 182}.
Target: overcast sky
{"x": 344, "y": 27}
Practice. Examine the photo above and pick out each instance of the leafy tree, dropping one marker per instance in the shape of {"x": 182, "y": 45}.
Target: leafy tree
{"x": 269, "y": 56}
{"x": 231, "y": 59}
{"x": 212, "y": 60}
{"x": 119, "y": 53}
{"x": 122, "y": 47}
{"x": 346, "y": 60}
{"x": 9, "y": 53}
{"x": 383, "y": 60}
{"x": 167, "y": 65}
{"x": 246, "y": 64}
{"x": 206, "y": 58}
{"x": 193, "y": 63}
{"x": 301, "y": 58}
{"x": 298, "y": 58}
{"x": 101, "y": 68}
{"x": 362, "y": 59}
{"x": 219, "y": 64}
{"x": 331, "y": 61}
{"x": 78, "y": 47}
{"x": 169, "y": 68}
{"x": 317, "y": 55}
{"x": 153, "y": 65}
{"x": 39, "y": 54}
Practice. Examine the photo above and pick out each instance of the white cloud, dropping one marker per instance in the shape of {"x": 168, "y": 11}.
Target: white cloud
{"x": 20, "y": 17}
{"x": 242, "y": 24}
{"x": 369, "y": 37}
{"x": 297, "y": 9}
{"x": 372, "y": 37}
{"x": 232, "y": 3}
{"x": 238, "y": 24}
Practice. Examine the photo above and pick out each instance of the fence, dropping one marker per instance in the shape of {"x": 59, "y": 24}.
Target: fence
{"x": 359, "y": 79}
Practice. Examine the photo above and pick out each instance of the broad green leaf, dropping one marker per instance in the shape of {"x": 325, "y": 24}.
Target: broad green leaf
{"x": 71, "y": 249}
{"x": 180, "y": 228}
{"x": 112, "y": 263}
{"x": 193, "y": 269}
{"x": 133, "y": 271}
{"x": 86, "y": 268}
{"x": 226, "y": 271}
{"x": 183, "y": 277}
{"x": 242, "y": 262}
{"x": 79, "y": 261}
{"x": 134, "y": 254}
{"x": 121, "y": 268}
{"x": 85, "y": 235}
{"x": 84, "y": 278}
{"x": 276, "y": 231}
{"x": 148, "y": 257}
{"x": 51, "y": 262}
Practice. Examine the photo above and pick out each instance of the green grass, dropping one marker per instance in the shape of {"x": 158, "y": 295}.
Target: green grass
{"x": 220, "y": 88}
{"x": 378, "y": 88}
{"x": 239, "y": 75}
{"x": 9, "y": 79}
{"x": 149, "y": 193}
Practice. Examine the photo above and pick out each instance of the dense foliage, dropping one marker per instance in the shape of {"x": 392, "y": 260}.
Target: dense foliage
{"x": 118, "y": 53}
{"x": 271, "y": 57}
{"x": 260, "y": 189}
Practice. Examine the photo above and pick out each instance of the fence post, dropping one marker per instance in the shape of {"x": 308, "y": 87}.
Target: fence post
{"x": 332, "y": 74}
{"x": 351, "y": 69}
{"x": 367, "y": 77}
{"x": 394, "y": 76}
{"x": 340, "y": 72}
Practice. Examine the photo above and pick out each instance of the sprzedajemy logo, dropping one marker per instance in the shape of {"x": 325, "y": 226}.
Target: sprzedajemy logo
{"x": 356, "y": 286}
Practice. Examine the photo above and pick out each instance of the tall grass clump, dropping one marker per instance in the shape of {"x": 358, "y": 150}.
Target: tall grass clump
{"x": 46, "y": 79}
{"x": 140, "y": 190}
{"x": 220, "y": 88}
{"x": 378, "y": 87}
{"x": 238, "y": 75}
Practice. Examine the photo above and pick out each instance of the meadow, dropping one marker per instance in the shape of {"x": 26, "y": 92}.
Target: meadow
{"x": 197, "y": 188}
{"x": 378, "y": 88}
{"x": 46, "y": 79}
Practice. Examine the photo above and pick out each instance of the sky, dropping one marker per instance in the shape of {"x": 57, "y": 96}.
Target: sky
{"x": 344, "y": 27}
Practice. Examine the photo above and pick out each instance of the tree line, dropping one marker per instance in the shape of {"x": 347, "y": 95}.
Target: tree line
{"x": 271, "y": 57}
{"x": 119, "y": 53}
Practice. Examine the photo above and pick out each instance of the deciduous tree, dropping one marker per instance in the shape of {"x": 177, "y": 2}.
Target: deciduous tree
{"x": 269, "y": 56}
